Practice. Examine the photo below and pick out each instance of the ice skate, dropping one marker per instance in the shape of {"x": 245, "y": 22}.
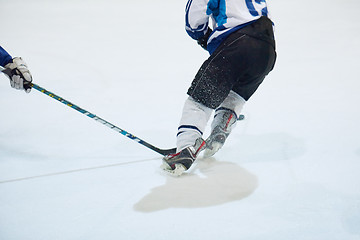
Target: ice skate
{"x": 179, "y": 162}
{"x": 221, "y": 126}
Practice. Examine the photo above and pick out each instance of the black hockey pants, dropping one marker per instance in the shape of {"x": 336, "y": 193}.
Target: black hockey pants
{"x": 240, "y": 64}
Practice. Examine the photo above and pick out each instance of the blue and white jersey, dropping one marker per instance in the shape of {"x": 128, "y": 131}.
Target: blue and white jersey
{"x": 226, "y": 17}
{"x": 5, "y": 58}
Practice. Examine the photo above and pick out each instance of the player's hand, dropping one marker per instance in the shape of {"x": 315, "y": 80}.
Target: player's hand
{"x": 19, "y": 74}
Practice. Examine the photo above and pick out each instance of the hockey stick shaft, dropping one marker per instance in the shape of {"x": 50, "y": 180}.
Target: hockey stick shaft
{"x": 98, "y": 119}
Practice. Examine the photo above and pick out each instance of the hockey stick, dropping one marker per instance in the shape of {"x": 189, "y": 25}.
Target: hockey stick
{"x": 96, "y": 118}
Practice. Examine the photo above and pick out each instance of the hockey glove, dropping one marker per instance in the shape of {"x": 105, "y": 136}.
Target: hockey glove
{"x": 203, "y": 41}
{"x": 19, "y": 74}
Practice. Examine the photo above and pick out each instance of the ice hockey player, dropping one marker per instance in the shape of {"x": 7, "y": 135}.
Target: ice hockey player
{"x": 242, "y": 52}
{"x": 17, "y": 71}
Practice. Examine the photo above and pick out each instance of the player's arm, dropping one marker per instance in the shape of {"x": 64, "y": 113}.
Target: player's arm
{"x": 197, "y": 21}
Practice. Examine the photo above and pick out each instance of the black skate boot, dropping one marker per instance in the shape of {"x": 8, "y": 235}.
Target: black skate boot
{"x": 179, "y": 162}
{"x": 224, "y": 121}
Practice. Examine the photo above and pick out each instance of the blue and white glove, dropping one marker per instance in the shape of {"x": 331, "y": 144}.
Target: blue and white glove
{"x": 19, "y": 74}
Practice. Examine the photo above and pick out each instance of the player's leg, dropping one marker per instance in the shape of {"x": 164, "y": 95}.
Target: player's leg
{"x": 189, "y": 138}
{"x": 249, "y": 60}
{"x": 225, "y": 118}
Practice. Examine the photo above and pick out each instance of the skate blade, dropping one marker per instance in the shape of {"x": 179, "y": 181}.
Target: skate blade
{"x": 178, "y": 171}
{"x": 215, "y": 147}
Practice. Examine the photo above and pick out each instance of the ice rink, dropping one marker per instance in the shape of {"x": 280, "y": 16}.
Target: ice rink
{"x": 290, "y": 170}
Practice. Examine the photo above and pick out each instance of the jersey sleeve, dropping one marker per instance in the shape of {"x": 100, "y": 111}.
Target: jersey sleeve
{"x": 5, "y": 58}
{"x": 196, "y": 18}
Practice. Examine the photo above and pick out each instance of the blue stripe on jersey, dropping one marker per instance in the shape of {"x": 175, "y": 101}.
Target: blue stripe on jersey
{"x": 5, "y": 58}
{"x": 251, "y": 8}
{"x": 253, "y": 11}
{"x": 218, "y": 9}
{"x": 188, "y": 5}
{"x": 264, "y": 11}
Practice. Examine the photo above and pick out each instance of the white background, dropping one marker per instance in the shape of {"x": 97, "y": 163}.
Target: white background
{"x": 289, "y": 171}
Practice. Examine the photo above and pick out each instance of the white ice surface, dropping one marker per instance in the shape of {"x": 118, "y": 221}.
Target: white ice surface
{"x": 289, "y": 171}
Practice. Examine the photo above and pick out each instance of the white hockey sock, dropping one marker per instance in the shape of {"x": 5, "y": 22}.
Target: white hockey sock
{"x": 192, "y": 124}
{"x": 233, "y": 102}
